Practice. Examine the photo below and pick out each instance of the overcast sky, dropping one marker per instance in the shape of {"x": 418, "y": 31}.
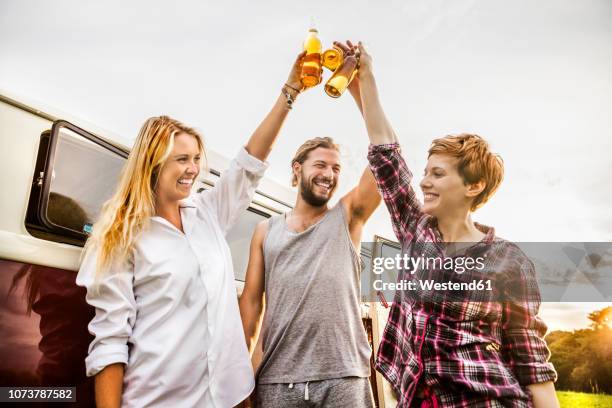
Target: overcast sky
{"x": 533, "y": 78}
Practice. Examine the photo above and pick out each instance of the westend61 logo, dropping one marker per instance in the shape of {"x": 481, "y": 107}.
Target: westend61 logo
{"x": 412, "y": 264}
{"x": 562, "y": 271}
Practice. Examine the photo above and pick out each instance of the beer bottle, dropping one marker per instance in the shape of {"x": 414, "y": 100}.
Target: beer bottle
{"x": 342, "y": 77}
{"x": 332, "y": 58}
{"x": 311, "y": 67}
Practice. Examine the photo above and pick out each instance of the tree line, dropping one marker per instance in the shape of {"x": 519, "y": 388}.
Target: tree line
{"x": 583, "y": 358}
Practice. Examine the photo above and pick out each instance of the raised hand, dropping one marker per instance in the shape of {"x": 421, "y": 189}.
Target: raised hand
{"x": 349, "y": 49}
{"x": 293, "y": 82}
{"x": 365, "y": 59}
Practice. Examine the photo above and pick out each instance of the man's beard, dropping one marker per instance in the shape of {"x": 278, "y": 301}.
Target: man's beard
{"x": 310, "y": 197}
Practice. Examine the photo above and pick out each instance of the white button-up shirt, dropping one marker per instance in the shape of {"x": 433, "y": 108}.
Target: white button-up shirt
{"x": 172, "y": 314}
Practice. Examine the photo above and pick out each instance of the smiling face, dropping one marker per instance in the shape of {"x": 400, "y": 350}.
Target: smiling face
{"x": 318, "y": 176}
{"x": 180, "y": 170}
{"x": 444, "y": 189}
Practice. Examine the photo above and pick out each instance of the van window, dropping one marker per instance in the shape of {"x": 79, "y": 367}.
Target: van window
{"x": 366, "y": 268}
{"x": 76, "y": 172}
{"x": 84, "y": 177}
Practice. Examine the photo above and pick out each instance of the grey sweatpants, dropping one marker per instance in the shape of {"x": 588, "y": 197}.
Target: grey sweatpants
{"x": 348, "y": 392}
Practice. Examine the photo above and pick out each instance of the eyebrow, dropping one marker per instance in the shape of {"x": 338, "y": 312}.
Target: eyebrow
{"x": 325, "y": 163}
{"x": 185, "y": 155}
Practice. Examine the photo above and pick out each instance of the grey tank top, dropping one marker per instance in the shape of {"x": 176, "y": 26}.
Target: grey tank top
{"x": 312, "y": 327}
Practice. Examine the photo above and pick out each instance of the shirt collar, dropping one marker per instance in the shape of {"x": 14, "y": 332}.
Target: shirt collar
{"x": 187, "y": 203}
{"x": 488, "y": 231}
{"x": 485, "y": 229}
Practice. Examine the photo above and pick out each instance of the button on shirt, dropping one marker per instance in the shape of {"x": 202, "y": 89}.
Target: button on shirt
{"x": 171, "y": 312}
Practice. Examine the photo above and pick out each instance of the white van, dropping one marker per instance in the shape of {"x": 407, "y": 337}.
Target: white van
{"x": 55, "y": 174}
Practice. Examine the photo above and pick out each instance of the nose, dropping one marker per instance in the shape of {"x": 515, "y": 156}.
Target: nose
{"x": 425, "y": 183}
{"x": 192, "y": 168}
{"x": 329, "y": 173}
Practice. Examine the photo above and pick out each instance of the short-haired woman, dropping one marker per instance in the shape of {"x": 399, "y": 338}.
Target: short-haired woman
{"x": 485, "y": 349}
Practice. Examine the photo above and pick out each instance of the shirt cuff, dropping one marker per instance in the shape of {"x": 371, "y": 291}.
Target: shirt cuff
{"x": 383, "y": 147}
{"x": 251, "y": 163}
{"x": 104, "y": 355}
{"x": 535, "y": 373}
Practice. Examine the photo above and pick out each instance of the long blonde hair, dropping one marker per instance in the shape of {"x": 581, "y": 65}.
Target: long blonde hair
{"x": 128, "y": 211}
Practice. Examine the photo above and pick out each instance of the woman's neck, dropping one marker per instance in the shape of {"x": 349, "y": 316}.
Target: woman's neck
{"x": 459, "y": 229}
{"x": 170, "y": 212}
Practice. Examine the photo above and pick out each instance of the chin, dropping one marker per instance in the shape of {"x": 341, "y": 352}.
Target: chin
{"x": 429, "y": 210}
{"x": 182, "y": 195}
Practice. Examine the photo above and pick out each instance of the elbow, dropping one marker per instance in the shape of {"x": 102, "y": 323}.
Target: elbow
{"x": 250, "y": 306}
{"x": 103, "y": 355}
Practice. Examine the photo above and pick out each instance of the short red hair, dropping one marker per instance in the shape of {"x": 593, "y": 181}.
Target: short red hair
{"x": 476, "y": 162}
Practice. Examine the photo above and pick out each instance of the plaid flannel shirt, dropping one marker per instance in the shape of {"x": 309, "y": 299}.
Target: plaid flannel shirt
{"x": 469, "y": 353}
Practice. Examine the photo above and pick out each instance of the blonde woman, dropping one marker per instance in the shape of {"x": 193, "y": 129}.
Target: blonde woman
{"x": 159, "y": 274}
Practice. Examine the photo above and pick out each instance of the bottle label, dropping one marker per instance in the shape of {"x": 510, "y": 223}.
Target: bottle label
{"x": 312, "y": 65}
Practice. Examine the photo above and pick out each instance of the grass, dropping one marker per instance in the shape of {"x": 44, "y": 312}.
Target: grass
{"x": 569, "y": 399}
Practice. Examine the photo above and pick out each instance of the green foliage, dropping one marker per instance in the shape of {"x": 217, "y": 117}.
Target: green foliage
{"x": 601, "y": 318}
{"x": 583, "y": 358}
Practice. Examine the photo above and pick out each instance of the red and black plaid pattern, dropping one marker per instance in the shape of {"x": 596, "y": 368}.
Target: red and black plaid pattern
{"x": 476, "y": 352}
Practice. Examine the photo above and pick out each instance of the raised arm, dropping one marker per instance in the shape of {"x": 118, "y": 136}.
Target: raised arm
{"x": 252, "y": 299}
{"x": 387, "y": 166}
{"x": 234, "y": 191}
{"x": 261, "y": 141}
{"x": 362, "y": 200}
{"x": 377, "y": 124}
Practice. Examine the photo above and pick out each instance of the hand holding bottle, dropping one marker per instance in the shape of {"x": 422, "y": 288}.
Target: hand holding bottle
{"x": 349, "y": 49}
{"x": 365, "y": 59}
{"x": 312, "y": 71}
{"x": 293, "y": 81}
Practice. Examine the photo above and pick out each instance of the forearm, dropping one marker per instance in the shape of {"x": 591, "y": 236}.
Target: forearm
{"x": 250, "y": 313}
{"x": 378, "y": 126}
{"x": 394, "y": 180}
{"x": 109, "y": 386}
{"x": 356, "y": 94}
{"x": 543, "y": 395}
{"x": 260, "y": 143}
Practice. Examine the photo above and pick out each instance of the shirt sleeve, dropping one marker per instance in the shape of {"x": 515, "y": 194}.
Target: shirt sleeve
{"x": 113, "y": 300}
{"x": 234, "y": 190}
{"x": 394, "y": 183}
{"x": 523, "y": 331}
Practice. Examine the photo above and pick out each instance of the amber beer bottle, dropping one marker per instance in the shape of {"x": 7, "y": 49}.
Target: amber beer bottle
{"x": 311, "y": 67}
{"x": 332, "y": 58}
{"x": 342, "y": 77}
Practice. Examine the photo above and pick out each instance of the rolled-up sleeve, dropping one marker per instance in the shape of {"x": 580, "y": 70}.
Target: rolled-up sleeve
{"x": 112, "y": 297}
{"x": 234, "y": 190}
{"x": 523, "y": 343}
